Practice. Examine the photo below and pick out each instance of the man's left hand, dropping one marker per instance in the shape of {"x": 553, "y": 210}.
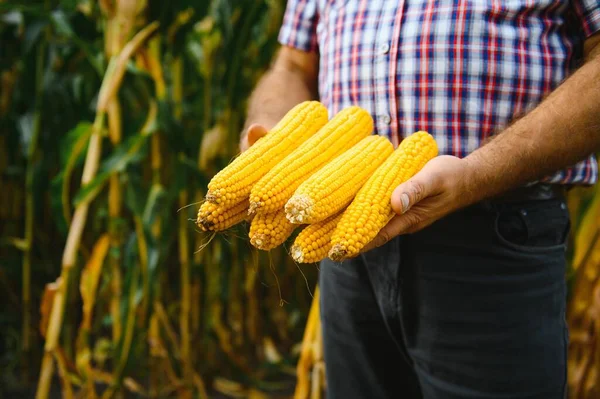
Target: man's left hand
{"x": 441, "y": 187}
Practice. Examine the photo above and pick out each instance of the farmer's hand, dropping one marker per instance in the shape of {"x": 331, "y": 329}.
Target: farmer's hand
{"x": 441, "y": 187}
{"x": 253, "y": 133}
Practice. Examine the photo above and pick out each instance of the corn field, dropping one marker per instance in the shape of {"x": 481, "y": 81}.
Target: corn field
{"x": 114, "y": 115}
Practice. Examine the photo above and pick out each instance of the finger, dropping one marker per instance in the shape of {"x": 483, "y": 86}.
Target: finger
{"x": 255, "y": 132}
{"x": 399, "y": 224}
{"x": 422, "y": 185}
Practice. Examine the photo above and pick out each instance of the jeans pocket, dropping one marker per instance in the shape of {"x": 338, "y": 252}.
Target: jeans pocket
{"x": 535, "y": 226}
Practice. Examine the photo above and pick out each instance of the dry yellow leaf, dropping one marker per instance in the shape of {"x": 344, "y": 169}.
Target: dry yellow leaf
{"x": 90, "y": 277}
{"x": 213, "y": 145}
{"x": 46, "y": 305}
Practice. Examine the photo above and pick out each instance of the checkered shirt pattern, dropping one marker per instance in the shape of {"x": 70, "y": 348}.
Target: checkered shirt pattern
{"x": 462, "y": 70}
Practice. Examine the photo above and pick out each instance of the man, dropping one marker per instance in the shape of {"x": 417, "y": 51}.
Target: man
{"x": 462, "y": 295}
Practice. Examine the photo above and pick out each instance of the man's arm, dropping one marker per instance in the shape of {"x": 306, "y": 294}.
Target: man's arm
{"x": 562, "y": 130}
{"x": 291, "y": 79}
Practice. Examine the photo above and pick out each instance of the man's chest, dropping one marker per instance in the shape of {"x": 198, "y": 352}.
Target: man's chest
{"x": 428, "y": 63}
{"x": 370, "y": 26}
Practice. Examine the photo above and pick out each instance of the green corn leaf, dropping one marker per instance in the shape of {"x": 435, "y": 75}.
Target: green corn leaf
{"x": 135, "y": 194}
{"x": 130, "y": 151}
{"x": 129, "y": 306}
{"x": 12, "y": 17}
{"x": 71, "y": 153}
{"x": 62, "y": 25}
{"x": 154, "y": 205}
{"x": 69, "y": 4}
{"x": 32, "y": 9}
{"x": 74, "y": 143}
{"x": 33, "y": 31}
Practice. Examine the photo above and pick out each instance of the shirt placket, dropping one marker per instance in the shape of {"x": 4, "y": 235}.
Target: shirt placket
{"x": 385, "y": 60}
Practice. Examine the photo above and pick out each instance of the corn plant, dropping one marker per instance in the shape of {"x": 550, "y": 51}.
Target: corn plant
{"x": 114, "y": 116}
{"x": 584, "y": 302}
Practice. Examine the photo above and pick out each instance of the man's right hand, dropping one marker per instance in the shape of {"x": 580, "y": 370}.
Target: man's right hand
{"x": 254, "y": 132}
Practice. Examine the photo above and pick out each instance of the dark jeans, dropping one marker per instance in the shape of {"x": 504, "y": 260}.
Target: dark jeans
{"x": 470, "y": 307}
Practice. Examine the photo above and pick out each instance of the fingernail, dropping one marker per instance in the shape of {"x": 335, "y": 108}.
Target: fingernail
{"x": 404, "y": 199}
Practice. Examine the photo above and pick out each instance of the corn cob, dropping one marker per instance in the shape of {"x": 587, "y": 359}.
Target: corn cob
{"x": 233, "y": 183}
{"x": 344, "y": 130}
{"x": 215, "y": 217}
{"x": 314, "y": 241}
{"x": 332, "y": 188}
{"x": 268, "y": 230}
{"x": 371, "y": 209}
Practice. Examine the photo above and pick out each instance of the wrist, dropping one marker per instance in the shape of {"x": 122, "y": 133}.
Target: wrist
{"x": 476, "y": 183}
{"x": 489, "y": 175}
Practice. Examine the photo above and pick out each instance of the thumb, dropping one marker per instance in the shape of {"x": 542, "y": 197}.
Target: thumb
{"x": 256, "y": 131}
{"x": 412, "y": 191}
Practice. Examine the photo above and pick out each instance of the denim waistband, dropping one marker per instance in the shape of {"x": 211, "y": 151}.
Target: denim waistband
{"x": 535, "y": 192}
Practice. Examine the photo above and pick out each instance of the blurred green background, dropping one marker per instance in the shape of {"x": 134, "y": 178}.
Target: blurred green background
{"x": 113, "y": 116}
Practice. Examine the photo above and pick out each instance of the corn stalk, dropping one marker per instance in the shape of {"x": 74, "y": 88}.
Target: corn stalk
{"x": 310, "y": 355}
{"x": 150, "y": 60}
{"x": 88, "y": 287}
{"x": 110, "y": 85}
{"x": 584, "y": 306}
{"x": 119, "y": 24}
{"x": 127, "y": 340}
{"x": 32, "y": 153}
{"x": 184, "y": 246}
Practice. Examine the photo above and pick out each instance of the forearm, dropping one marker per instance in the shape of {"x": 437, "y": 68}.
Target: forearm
{"x": 562, "y": 130}
{"x": 287, "y": 83}
{"x": 277, "y": 92}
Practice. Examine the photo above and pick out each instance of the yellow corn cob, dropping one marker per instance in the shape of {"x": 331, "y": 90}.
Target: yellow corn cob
{"x": 233, "y": 183}
{"x": 215, "y": 217}
{"x": 313, "y": 243}
{"x": 344, "y": 130}
{"x": 269, "y": 230}
{"x": 371, "y": 209}
{"x": 332, "y": 188}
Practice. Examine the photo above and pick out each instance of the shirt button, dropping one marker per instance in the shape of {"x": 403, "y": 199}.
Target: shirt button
{"x": 386, "y": 119}
{"x": 384, "y": 48}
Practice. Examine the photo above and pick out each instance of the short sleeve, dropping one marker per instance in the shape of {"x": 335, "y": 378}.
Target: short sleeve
{"x": 299, "y": 28}
{"x": 588, "y": 13}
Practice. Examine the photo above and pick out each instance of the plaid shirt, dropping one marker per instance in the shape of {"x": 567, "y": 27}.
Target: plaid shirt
{"x": 461, "y": 70}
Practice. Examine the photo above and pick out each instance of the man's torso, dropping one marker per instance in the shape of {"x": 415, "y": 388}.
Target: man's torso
{"x": 461, "y": 70}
